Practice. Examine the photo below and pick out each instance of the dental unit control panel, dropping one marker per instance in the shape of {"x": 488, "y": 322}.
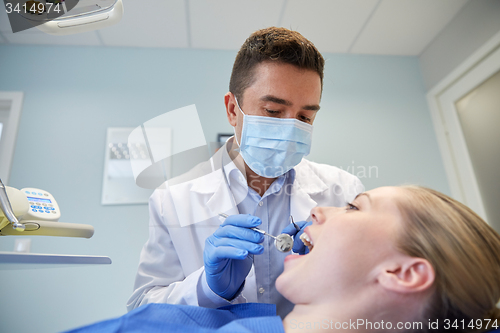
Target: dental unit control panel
{"x": 43, "y": 206}
{"x": 35, "y": 212}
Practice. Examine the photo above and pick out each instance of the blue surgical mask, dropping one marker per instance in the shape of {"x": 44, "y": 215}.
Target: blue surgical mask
{"x": 273, "y": 146}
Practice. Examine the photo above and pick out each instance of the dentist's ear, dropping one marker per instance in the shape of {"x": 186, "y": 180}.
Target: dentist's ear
{"x": 408, "y": 275}
{"x": 231, "y": 109}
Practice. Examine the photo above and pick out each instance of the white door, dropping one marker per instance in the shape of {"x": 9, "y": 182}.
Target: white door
{"x": 470, "y": 111}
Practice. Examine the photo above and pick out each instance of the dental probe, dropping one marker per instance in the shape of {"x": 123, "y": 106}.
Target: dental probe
{"x": 283, "y": 242}
{"x": 294, "y": 224}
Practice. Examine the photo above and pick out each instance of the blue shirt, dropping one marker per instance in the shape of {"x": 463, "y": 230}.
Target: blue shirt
{"x": 273, "y": 208}
{"x": 156, "y": 318}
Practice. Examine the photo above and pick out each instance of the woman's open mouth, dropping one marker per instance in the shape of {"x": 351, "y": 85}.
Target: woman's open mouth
{"x": 307, "y": 241}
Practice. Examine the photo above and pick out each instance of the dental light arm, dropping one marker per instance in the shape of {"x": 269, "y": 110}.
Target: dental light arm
{"x": 7, "y": 209}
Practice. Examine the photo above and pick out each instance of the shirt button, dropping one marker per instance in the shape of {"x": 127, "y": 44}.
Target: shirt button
{"x": 261, "y": 203}
{"x": 261, "y": 290}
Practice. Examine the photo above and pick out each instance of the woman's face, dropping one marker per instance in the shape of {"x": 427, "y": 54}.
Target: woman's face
{"x": 350, "y": 245}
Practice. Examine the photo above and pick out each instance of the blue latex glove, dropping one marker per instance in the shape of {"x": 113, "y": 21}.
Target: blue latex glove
{"x": 228, "y": 254}
{"x": 298, "y": 245}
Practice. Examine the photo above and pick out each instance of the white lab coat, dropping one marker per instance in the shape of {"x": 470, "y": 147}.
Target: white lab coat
{"x": 182, "y": 216}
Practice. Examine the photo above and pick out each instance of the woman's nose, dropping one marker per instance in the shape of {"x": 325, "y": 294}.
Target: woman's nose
{"x": 317, "y": 214}
{"x": 321, "y": 214}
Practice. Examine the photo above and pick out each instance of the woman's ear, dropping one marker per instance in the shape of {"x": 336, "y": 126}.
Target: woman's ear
{"x": 408, "y": 275}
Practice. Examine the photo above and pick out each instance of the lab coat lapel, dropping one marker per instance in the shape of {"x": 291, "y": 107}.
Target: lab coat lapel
{"x": 222, "y": 200}
{"x": 306, "y": 184}
{"x": 301, "y": 204}
{"x": 190, "y": 199}
{"x": 213, "y": 190}
{"x": 202, "y": 193}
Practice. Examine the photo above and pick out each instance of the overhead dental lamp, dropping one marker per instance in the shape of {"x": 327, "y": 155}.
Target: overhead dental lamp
{"x": 63, "y": 17}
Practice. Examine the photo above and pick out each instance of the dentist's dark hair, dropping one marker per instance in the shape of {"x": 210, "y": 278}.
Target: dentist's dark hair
{"x": 274, "y": 45}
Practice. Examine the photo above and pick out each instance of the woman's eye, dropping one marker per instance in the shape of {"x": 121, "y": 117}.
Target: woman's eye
{"x": 350, "y": 206}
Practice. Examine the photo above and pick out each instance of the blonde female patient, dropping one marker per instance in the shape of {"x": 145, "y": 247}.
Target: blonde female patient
{"x": 396, "y": 259}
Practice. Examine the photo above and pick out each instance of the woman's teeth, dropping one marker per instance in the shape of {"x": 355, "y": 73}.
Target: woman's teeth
{"x": 307, "y": 241}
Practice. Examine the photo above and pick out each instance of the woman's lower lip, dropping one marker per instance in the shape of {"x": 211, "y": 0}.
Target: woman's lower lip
{"x": 292, "y": 257}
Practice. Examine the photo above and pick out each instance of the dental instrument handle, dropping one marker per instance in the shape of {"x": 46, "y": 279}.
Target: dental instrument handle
{"x": 283, "y": 242}
{"x": 263, "y": 232}
{"x": 225, "y": 216}
{"x": 7, "y": 209}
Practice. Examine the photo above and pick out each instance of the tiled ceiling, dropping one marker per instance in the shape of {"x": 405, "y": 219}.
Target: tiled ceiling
{"x": 387, "y": 27}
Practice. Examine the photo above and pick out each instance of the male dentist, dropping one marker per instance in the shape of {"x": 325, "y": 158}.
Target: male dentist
{"x": 259, "y": 178}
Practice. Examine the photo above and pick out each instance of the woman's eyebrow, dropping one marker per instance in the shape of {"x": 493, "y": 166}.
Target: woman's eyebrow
{"x": 366, "y": 194}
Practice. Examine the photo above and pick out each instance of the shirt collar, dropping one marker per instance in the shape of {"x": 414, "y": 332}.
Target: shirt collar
{"x": 231, "y": 172}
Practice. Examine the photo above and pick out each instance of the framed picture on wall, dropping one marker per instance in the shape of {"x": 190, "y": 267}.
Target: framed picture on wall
{"x": 223, "y": 137}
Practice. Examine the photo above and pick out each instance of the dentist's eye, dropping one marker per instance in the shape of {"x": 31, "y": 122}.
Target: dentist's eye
{"x": 350, "y": 206}
{"x": 305, "y": 119}
{"x": 272, "y": 112}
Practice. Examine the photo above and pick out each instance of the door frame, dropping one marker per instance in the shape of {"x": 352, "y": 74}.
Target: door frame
{"x": 9, "y": 132}
{"x": 476, "y": 69}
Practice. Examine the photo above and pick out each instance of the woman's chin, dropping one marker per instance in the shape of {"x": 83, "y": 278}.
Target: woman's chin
{"x": 285, "y": 285}
{"x": 281, "y": 284}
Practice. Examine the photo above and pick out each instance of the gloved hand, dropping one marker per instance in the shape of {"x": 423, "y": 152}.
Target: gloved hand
{"x": 298, "y": 245}
{"x": 228, "y": 254}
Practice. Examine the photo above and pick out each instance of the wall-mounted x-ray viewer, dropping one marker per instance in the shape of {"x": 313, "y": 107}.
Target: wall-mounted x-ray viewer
{"x": 63, "y": 17}
{"x": 119, "y": 185}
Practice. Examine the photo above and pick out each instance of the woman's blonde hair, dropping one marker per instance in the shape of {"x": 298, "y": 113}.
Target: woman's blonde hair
{"x": 463, "y": 250}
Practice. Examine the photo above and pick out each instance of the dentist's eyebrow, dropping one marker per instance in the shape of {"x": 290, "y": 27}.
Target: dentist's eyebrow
{"x": 366, "y": 194}
{"x": 277, "y": 100}
{"x": 314, "y": 107}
